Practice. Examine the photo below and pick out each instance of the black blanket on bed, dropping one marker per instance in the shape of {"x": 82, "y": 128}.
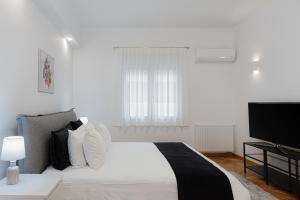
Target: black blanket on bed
{"x": 196, "y": 177}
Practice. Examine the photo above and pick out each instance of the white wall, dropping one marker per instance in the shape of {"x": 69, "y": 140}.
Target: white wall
{"x": 211, "y": 86}
{"x": 273, "y": 35}
{"x": 23, "y": 30}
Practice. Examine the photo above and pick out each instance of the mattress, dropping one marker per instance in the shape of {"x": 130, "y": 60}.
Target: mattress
{"x": 132, "y": 171}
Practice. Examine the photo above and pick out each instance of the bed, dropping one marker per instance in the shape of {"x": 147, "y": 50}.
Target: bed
{"x": 132, "y": 171}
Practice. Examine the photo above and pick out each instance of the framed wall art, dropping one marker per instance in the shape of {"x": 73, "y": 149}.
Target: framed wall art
{"x": 45, "y": 72}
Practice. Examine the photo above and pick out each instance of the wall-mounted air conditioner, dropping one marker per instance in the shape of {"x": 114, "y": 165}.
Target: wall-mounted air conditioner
{"x": 215, "y": 55}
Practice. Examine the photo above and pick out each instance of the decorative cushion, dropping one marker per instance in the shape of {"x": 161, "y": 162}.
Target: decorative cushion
{"x": 75, "y": 124}
{"x": 59, "y": 154}
{"x": 103, "y": 130}
{"x": 75, "y": 145}
{"x": 94, "y": 147}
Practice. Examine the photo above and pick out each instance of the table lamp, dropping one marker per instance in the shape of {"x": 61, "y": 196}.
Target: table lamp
{"x": 13, "y": 149}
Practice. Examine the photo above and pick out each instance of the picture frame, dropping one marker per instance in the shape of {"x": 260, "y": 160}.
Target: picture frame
{"x": 45, "y": 72}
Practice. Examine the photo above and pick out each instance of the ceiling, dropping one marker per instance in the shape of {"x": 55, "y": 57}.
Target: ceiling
{"x": 154, "y": 13}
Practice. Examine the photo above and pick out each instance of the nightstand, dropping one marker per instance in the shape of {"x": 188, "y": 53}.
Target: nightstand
{"x": 31, "y": 186}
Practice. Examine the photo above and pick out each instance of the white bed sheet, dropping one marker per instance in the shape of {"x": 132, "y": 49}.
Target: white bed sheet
{"x": 132, "y": 171}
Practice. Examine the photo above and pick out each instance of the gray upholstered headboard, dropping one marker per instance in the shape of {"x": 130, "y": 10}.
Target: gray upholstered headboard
{"x": 36, "y": 131}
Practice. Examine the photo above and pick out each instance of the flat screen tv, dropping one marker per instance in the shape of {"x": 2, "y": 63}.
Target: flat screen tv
{"x": 278, "y": 123}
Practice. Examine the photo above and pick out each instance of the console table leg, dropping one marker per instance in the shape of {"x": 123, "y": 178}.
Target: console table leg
{"x": 290, "y": 174}
{"x": 266, "y": 167}
{"x": 297, "y": 178}
{"x": 244, "y": 150}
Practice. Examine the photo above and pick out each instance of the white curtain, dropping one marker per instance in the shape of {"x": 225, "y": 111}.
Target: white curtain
{"x": 152, "y": 85}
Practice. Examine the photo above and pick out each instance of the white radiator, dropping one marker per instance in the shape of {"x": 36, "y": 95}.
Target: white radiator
{"x": 214, "y": 138}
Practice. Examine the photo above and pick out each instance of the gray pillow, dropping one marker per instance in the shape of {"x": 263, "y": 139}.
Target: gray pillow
{"x": 37, "y": 131}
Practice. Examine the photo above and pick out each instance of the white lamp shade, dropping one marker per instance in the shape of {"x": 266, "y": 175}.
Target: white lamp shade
{"x": 13, "y": 148}
{"x": 84, "y": 120}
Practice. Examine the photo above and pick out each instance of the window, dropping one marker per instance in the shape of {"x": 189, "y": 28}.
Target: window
{"x": 136, "y": 90}
{"x": 166, "y": 95}
{"x": 152, "y": 85}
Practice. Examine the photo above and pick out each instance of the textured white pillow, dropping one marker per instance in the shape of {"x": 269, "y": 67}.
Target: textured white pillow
{"x": 75, "y": 146}
{"x": 94, "y": 147}
{"x": 103, "y": 130}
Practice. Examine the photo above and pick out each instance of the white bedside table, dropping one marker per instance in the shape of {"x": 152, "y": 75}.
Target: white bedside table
{"x": 31, "y": 186}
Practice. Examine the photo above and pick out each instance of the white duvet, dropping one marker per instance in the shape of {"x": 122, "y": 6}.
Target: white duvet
{"x": 132, "y": 171}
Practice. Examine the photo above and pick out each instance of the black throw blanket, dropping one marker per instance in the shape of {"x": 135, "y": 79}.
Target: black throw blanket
{"x": 196, "y": 177}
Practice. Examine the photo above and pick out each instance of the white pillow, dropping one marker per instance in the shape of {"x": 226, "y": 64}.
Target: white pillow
{"x": 75, "y": 146}
{"x": 94, "y": 147}
{"x": 103, "y": 130}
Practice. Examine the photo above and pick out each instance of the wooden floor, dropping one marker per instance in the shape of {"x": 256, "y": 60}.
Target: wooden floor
{"x": 235, "y": 163}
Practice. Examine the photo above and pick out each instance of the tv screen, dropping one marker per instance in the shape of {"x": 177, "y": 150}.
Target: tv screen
{"x": 278, "y": 123}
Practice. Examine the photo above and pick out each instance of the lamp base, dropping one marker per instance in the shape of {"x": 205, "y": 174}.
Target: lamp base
{"x": 12, "y": 174}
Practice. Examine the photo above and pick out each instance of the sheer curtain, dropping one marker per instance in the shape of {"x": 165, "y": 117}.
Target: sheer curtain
{"x": 152, "y": 85}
